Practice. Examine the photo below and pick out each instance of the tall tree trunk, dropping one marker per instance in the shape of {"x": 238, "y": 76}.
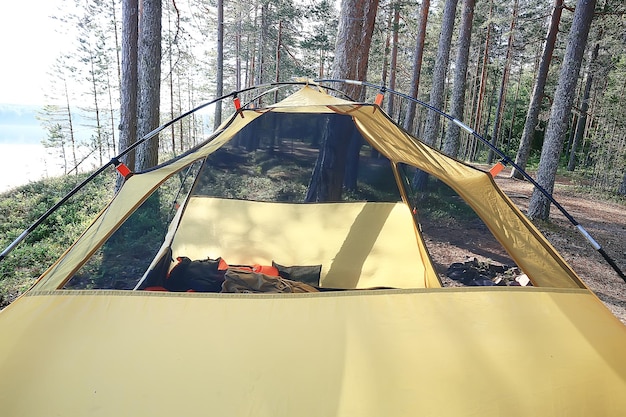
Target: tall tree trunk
{"x": 219, "y": 78}
{"x": 394, "y": 58}
{"x": 70, "y": 124}
{"x": 260, "y": 66}
{"x": 354, "y": 37}
{"x": 431, "y": 129}
{"x": 128, "y": 92}
{"x": 117, "y": 44}
{"x": 470, "y": 143}
{"x": 514, "y": 109}
{"x": 503, "y": 84}
{"x": 327, "y": 179}
{"x": 483, "y": 79}
{"x": 539, "y": 205}
{"x": 238, "y": 48}
{"x": 389, "y": 32}
{"x": 170, "y": 58}
{"x": 622, "y": 188}
{"x": 149, "y": 81}
{"x": 279, "y": 41}
{"x": 584, "y": 108}
{"x": 439, "y": 71}
{"x": 534, "y": 107}
{"x": 418, "y": 56}
{"x": 112, "y": 144}
{"x": 275, "y": 142}
{"x": 451, "y": 142}
{"x": 356, "y": 140}
{"x": 94, "y": 92}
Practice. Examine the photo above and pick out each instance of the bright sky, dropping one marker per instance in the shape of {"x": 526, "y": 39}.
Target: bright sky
{"x": 29, "y": 44}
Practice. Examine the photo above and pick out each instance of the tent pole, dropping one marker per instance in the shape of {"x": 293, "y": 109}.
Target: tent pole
{"x": 115, "y": 160}
{"x": 505, "y": 160}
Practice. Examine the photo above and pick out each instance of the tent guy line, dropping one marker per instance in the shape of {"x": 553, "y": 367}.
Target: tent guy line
{"x": 505, "y": 159}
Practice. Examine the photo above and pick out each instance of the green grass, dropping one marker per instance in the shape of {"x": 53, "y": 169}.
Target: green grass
{"x": 22, "y": 206}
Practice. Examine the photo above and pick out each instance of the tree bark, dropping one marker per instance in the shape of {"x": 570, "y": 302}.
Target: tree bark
{"x": 128, "y": 92}
{"x": 418, "y": 56}
{"x": 483, "y": 81}
{"x": 394, "y": 58}
{"x": 354, "y": 37}
{"x": 584, "y": 108}
{"x": 439, "y": 71}
{"x": 503, "y": 85}
{"x": 327, "y": 179}
{"x": 389, "y": 32}
{"x": 451, "y": 142}
{"x": 534, "y": 107}
{"x": 539, "y": 205}
{"x": 356, "y": 140}
{"x": 431, "y": 129}
{"x": 149, "y": 81}
{"x": 622, "y": 188}
{"x": 219, "y": 78}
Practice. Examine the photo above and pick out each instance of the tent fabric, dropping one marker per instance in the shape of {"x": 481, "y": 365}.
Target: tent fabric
{"x": 514, "y": 231}
{"x": 549, "y": 350}
{"x": 359, "y": 245}
{"x": 484, "y": 352}
{"x": 529, "y": 249}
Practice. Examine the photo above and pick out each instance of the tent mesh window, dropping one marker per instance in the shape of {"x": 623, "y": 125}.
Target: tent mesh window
{"x": 274, "y": 158}
{"x": 125, "y": 256}
{"x": 463, "y": 250}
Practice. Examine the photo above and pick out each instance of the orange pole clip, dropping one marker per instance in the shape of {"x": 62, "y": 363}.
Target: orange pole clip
{"x": 237, "y": 103}
{"x": 379, "y": 99}
{"x": 495, "y": 170}
{"x": 123, "y": 169}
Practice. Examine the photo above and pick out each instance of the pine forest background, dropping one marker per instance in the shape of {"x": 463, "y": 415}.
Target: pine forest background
{"x": 267, "y": 41}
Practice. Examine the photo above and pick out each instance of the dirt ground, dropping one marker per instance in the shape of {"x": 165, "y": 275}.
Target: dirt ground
{"x": 605, "y": 222}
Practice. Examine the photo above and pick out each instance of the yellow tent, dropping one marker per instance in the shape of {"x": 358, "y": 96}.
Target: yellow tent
{"x": 410, "y": 347}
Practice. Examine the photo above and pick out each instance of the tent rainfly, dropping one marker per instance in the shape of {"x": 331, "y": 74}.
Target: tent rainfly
{"x": 372, "y": 331}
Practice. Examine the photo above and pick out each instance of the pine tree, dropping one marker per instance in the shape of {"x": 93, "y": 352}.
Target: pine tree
{"x": 148, "y": 82}
{"x": 356, "y": 26}
{"x": 534, "y": 106}
{"x": 457, "y": 102}
{"x": 539, "y": 205}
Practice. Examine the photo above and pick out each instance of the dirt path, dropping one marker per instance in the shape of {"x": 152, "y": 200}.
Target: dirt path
{"x": 605, "y": 222}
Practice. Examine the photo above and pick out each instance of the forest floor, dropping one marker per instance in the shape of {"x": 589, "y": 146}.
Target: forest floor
{"x": 605, "y": 221}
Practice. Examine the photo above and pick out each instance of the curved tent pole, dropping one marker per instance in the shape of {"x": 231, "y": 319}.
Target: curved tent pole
{"x": 505, "y": 161}
{"x": 382, "y": 89}
{"x": 115, "y": 161}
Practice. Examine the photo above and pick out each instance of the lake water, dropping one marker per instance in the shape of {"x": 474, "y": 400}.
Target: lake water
{"x": 23, "y": 163}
